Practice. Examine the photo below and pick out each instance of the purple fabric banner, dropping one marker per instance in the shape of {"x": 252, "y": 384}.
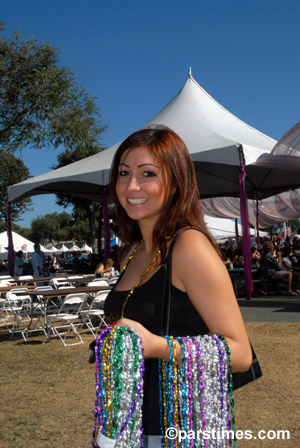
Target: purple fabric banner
{"x": 106, "y": 254}
{"x": 246, "y": 233}
{"x": 11, "y": 255}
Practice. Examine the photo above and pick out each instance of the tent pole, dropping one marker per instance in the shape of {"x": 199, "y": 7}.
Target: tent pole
{"x": 236, "y": 232}
{"x": 11, "y": 256}
{"x": 106, "y": 253}
{"x": 100, "y": 230}
{"x": 257, "y": 223}
{"x": 245, "y": 225}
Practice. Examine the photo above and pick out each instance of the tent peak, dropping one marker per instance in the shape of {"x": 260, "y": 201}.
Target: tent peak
{"x": 190, "y": 72}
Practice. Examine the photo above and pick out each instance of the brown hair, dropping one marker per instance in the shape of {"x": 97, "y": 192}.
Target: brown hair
{"x": 181, "y": 208}
{"x": 268, "y": 247}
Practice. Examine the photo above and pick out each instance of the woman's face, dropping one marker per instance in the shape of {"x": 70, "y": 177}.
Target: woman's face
{"x": 140, "y": 187}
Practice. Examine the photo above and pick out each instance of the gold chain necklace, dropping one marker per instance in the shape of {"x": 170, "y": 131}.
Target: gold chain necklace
{"x": 142, "y": 276}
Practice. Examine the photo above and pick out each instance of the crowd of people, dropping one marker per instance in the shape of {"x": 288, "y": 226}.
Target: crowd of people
{"x": 276, "y": 259}
{"x": 41, "y": 264}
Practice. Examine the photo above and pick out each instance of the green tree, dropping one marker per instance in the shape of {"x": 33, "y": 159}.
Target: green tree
{"x": 13, "y": 170}
{"x": 51, "y": 228}
{"x": 41, "y": 103}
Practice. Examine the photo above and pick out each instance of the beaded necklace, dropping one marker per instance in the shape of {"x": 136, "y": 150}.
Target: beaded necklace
{"x": 142, "y": 276}
{"x": 201, "y": 389}
{"x": 119, "y": 389}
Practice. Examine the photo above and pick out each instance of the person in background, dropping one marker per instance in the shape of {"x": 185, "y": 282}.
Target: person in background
{"x": 37, "y": 262}
{"x": 287, "y": 266}
{"x": 287, "y": 241}
{"x": 19, "y": 264}
{"x": 255, "y": 257}
{"x": 109, "y": 268}
{"x": 270, "y": 265}
{"x": 225, "y": 259}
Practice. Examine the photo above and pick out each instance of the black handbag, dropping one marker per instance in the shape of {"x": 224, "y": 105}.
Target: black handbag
{"x": 240, "y": 379}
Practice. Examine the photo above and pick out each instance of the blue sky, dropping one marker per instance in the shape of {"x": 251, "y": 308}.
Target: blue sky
{"x": 134, "y": 57}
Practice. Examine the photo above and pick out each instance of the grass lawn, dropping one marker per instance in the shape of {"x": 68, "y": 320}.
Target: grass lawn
{"x": 47, "y": 401}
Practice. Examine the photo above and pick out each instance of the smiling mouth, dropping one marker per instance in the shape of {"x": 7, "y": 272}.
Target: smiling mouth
{"x": 137, "y": 201}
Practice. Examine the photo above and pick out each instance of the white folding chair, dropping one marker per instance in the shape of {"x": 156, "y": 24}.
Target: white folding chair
{"x": 74, "y": 279}
{"x": 8, "y": 282}
{"x": 4, "y": 277}
{"x": 5, "y": 314}
{"x": 61, "y": 282}
{"x": 23, "y": 279}
{"x": 98, "y": 282}
{"x": 46, "y": 304}
{"x": 113, "y": 281}
{"x": 95, "y": 314}
{"x": 20, "y": 307}
{"x": 91, "y": 276}
{"x": 64, "y": 323}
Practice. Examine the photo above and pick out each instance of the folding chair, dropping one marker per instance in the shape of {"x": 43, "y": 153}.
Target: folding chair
{"x": 23, "y": 279}
{"x": 20, "y": 307}
{"x": 64, "y": 322}
{"x": 8, "y": 282}
{"x": 61, "y": 282}
{"x": 95, "y": 310}
{"x": 5, "y": 314}
{"x": 46, "y": 304}
{"x": 113, "y": 281}
{"x": 98, "y": 282}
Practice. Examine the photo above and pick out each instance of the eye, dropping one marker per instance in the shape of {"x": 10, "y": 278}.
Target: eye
{"x": 123, "y": 173}
{"x": 149, "y": 174}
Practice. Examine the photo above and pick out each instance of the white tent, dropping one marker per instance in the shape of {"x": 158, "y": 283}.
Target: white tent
{"x": 51, "y": 250}
{"x": 214, "y": 137}
{"x": 223, "y": 228}
{"x": 74, "y": 248}
{"x": 63, "y": 248}
{"x": 20, "y": 243}
{"x": 85, "y": 248}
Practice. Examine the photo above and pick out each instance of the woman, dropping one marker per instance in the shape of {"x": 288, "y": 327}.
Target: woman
{"x": 287, "y": 266}
{"x": 271, "y": 264}
{"x": 154, "y": 187}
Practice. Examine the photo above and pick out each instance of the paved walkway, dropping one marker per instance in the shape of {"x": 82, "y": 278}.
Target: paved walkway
{"x": 271, "y": 309}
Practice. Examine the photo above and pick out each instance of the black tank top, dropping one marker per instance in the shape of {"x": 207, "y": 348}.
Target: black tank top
{"x": 145, "y": 306}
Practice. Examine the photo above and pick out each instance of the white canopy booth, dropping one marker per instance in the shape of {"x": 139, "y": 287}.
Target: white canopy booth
{"x": 213, "y": 136}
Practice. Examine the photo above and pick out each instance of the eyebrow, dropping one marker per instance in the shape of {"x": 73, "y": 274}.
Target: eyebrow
{"x": 139, "y": 166}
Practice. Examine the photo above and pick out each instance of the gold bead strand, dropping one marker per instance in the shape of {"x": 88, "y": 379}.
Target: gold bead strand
{"x": 142, "y": 276}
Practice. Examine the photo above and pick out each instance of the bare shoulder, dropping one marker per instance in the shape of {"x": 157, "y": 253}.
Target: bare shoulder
{"x": 193, "y": 243}
{"x": 193, "y": 257}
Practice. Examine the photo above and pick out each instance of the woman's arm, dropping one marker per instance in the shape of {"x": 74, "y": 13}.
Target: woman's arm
{"x": 205, "y": 279}
{"x": 203, "y": 276}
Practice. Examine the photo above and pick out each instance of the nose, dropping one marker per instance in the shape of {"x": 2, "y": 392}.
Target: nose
{"x": 133, "y": 184}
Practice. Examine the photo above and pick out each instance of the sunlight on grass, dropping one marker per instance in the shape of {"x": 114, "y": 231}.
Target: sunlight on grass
{"x": 47, "y": 401}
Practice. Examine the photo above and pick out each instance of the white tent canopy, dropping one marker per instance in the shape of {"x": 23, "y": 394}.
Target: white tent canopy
{"x": 74, "y": 248}
{"x": 85, "y": 248}
{"x": 51, "y": 250}
{"x": 224, "y": 228}
{"x": 63, "y": 248}
{"x": 20, "y": 243}
{"x": 213, "y": 137}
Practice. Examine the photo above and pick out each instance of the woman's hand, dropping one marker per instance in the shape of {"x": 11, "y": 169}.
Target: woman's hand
{"x": 154, "y": 346}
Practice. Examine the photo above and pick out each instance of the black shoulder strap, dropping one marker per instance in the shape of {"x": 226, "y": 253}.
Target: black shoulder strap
{"x": 167, "y": 296}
